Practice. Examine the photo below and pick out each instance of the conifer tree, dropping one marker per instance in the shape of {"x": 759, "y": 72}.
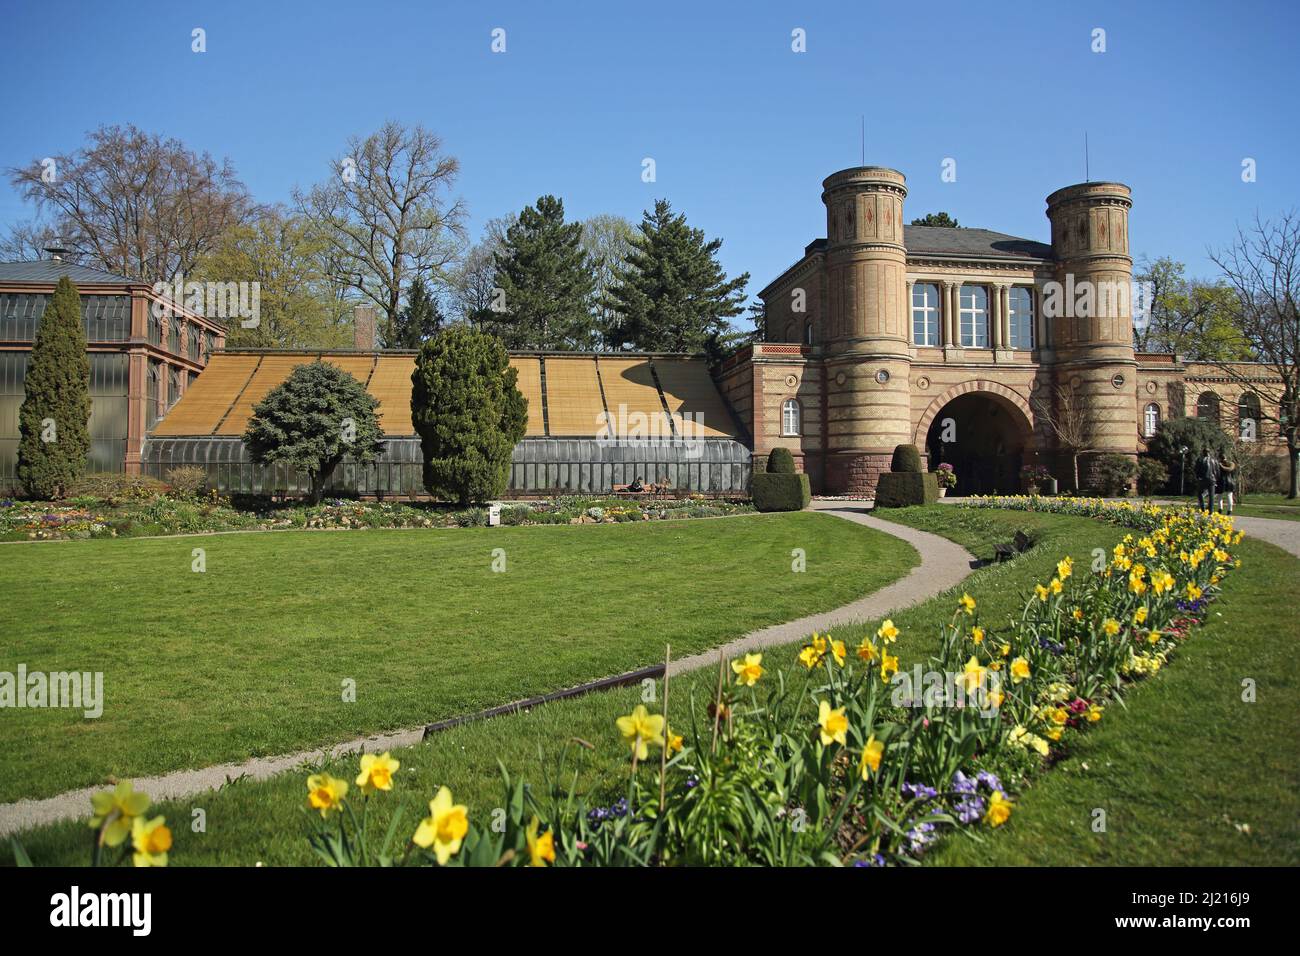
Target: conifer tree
{"x": 543, "y": 272}
{"x": 420, "y": 320}
{"x": 54, "y": 420}
{"x": 672, "y": 295}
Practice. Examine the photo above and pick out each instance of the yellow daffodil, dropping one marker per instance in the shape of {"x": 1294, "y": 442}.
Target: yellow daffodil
{"x": 818, "y": 643}
{"x": 377, "y": 772}
{"x": 541, "y": 849}
{"x": 967, "y": 604}
{"x": 1019, "y": 670}
{"x": 1153, "y": 637}
{"x": 675, "y": 742}
{"x": 640, "y": 729}
{"x": 888, "y": 666}
{"x": 871, "y": 754}
{"x": 1110, "y": 626}
{"x": 1041, "y": 591}
{"x": 972, "y": 675}
{"x": 1059, "y": 715}
{"x": 1064, "y": 568}
{"x": 115, "y": 810}
{"x": 887, "y": 632}
{"x": 1193, "y": 592}
{"x": 809, "y": 657}
{"x": 150, "y": 840}
{"x": 839, "y": 652}
{"x": 999, "y": 809}
{"x": 1094, "y": 714}
{"x": 1005, "y": 650}
{"x": 1056, "y": 586}
{"x": 444, "y": 828}
{"x": 1077, "y": 614}
{"x": 1140, "y": 615}
{"x": 977, "y": 634}
{"x": 326, "y": 793}
{"x": 866, "y": 651}
{"x": 834, "y": 726}
{"x": 749, "y": 670}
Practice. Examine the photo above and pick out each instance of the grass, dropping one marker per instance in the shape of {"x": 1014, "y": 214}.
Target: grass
{"x": 1259, "y": 506}
{"x": 1169, "y": 769}
{"x": 251, "y": 657}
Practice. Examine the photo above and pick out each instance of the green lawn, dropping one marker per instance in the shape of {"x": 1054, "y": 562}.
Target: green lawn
{"x": 1260, "y": 506}
{"x": 250, "y": 657}
{"x": 1168, "y": 769}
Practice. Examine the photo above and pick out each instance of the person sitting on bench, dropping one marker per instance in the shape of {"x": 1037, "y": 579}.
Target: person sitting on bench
{"x": 636, "y": 486}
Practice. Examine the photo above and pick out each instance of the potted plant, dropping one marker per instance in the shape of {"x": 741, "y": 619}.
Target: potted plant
{"x": 1037, "y": 479}
{"x": 947, "y": 478}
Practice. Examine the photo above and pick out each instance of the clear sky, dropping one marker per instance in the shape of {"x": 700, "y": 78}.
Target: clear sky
{"x": 742, "y": 129}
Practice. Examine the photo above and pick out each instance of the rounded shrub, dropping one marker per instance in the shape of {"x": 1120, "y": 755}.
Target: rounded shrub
{"x": 907, "y": 458}
{"x": 780, "y": 462}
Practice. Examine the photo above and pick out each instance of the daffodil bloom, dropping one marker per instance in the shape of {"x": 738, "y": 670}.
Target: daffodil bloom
{"x": 115, "y": 810}
{"x": 871, "y": 754}
{"x": 749, "y": 670}
{"x": 1019, "y": 670}
{"x": 1064, "y": 568}
{"x": 818, "y": 643}
{"x": 1094, "y": 714}
{"x": 444, "y": 828}
{"x": 809, "y": 657}
{"x": 150, "y": 840}
{"x": 1153, "y": 637}
{"x": 641, "y": 728}
{"x": 999, "y": 809}
{"x": 839, "y": 652}
{"x": 1140, "y": 615}
{"x": 977, "y": 634}
{"x": 1056, "y": 586}
{"x": 377, "y": 772}
{"x": 1110, "y": 626}
{"x": 834, "y": 726}
{"x": 996, "y": 697}
{"x": 967, "y": 604}
{"x": 887, "y": 632}
{"x": 1059, "y": 715}
{"x": 888, "y": 666}
{"x": 326, "y": 793}
{"x": 1053, "y": 733}
{"x": 866, "y": 651}
{"x": 1193, "y": 592}
{"x": 541, "y": 849}
{"x": 972, "y": 675}
{"x": 674, "y": 742}
{"x": 1077, "y": 614}
{"x": 1041, "y": 591}
{"x": 1005, "y": 650}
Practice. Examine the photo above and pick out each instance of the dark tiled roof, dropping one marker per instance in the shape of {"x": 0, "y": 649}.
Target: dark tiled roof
{"x": 971, "y": 243}
{"x": 50, "y": 271}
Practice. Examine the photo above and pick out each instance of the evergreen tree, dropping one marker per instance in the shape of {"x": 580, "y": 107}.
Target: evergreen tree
{"x": 468, "y": 412}
{"x": 311, "y": 420}
{"x": 672, "y": 295}
{"x": 543, "y": 272}
{"x": 420, "y": 320}
{"x": 937, "y": 219}
{"x": 54, "y": 419}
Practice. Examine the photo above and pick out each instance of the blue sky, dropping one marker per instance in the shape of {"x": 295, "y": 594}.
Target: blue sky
{"x": 741, "y": 128}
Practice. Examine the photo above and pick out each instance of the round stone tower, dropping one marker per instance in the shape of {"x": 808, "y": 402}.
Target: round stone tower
{"x": 868, "y": 402}
{"x": 1091, "y": 313}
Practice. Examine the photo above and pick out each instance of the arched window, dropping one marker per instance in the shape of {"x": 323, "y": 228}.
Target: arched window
{"x": 789, "y": 333}
{"x": 974, "y": 316}
{"x": 790, "y": 414}
{"x": 1207, "y": 406}
{"x": 925, "y": 314}
{"x": 1020, "y": 301}
{"x": 1248, "y": 414}
{"x": 1150, "y": 420}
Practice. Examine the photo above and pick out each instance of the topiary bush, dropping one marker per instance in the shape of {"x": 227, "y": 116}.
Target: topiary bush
{"x": 901, "y": 489}
{"x": 780, "y": 492}
{"x": 907, "y": 458}
{"x": 780, "y": 462}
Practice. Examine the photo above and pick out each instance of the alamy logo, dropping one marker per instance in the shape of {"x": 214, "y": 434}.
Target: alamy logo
{"x": 103, "y": 909}
{"x": 76, "y": 690}
{"x": 212, "y": 300}
{"x": 685, "y": 430}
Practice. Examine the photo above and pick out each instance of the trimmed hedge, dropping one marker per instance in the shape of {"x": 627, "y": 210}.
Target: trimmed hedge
{"x": 780, "y": 462}
{"x": 779, "y": 492}
{"x": 899, "y": 489}
{"x": 907, "y": 458}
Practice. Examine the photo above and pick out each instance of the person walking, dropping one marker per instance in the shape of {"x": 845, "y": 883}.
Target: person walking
{"x": 1207, "y": 478}
{"x": 1227, "y": 486}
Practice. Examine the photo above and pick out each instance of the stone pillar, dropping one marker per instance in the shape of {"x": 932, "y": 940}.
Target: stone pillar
{"x": 908, "y": 322}
{"x": 995, "y": 316}
{"x": 868, "y": 359}
{"x": 951, "y": 329}
{"x": 1091, "y": 314}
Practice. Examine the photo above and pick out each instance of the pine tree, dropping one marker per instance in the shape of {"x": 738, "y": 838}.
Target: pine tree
{"x": 672, "y": 295}
{"x": 54, "y": 420}
{"x": 468, "y": 412}
{"x": 544, "y": 274}
{"x": 311, "y": 420}
{"x": 420, "y": 320}
{"x": 941, "y": 219}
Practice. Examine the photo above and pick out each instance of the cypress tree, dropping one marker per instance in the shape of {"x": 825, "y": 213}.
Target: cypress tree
{"x": 544, "y": 273}
{"x": 672, "y": 295}
{"x": 420, "y": 320}
{"x": 54, "y": 420}
{"x": 469, "y": 414}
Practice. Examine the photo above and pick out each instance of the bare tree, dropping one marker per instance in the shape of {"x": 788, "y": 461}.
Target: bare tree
{"x": 1263, "y": 268}
{"x": 473, "y": 283}
{"x": 132, "y": 203}
{"x": 1066, "y": 417}
{"x": 386, "y": 214}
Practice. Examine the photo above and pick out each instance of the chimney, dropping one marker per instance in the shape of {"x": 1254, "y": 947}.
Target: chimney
{"x": 363, "y": 328}
{"x": 56, "y": 250}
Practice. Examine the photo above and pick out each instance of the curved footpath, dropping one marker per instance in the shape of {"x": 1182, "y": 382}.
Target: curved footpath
{"x": 943, "y": 565}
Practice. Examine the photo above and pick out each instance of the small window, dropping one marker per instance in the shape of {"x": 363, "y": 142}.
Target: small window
{"x": 1207, "y": 406}
{"x": 974, "y": 316}
{"x": 1248, "y": 415}
{"x": 1150, "y": 420}
{"x": 790, "y": 417}
{"x": 1021, "y": 317}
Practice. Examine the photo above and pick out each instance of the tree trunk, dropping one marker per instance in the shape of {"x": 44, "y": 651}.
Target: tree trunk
{"x": 1295, "y": 473}
{"x": 317, "y": 485}
{"x": 1074, "y": 465}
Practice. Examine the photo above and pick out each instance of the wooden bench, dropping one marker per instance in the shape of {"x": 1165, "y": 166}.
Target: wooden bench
{"x": 1019, "y": 545}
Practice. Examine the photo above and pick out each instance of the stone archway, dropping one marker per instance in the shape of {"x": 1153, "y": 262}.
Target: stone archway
{"x": 984, "y": 430}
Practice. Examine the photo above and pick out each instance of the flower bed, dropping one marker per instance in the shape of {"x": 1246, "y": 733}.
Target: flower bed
{"x": 848, "y": 758}
{"x": 90, "y": 517}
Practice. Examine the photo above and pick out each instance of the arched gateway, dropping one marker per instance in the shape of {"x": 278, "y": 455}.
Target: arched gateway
{"x": 984, "y": 430}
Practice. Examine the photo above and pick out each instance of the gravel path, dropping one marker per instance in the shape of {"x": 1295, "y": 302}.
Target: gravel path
{"x": 943, "y": 565}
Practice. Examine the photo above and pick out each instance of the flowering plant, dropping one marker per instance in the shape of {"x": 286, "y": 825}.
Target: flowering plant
{"x": 947, "y": 477}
